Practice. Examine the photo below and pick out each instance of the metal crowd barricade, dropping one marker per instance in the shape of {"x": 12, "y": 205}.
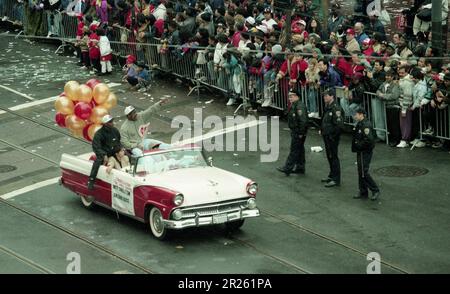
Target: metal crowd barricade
{"x": 436, "y": 119}
{"x": 14, "y": 12}
{"x": 68, "y": 30}
{"x": 123, "y": 41}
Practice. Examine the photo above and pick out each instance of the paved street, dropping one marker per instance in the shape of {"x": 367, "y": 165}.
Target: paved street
{"x": 303, "y": 227}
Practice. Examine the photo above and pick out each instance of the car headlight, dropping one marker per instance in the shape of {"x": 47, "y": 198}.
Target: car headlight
{"x": 251, "y": 203}
{"x": 178, "y": 199}
{"x": 177, "y": 214}
{"x": 252, "y": 188}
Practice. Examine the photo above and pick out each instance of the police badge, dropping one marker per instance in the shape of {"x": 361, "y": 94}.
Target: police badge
{"x": 366, "y": 131}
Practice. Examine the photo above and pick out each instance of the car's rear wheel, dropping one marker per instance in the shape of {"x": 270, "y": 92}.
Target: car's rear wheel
{"x": 234, "y": 226}
{"x": 88, "y": 201}
{"x": 156, "y": 223}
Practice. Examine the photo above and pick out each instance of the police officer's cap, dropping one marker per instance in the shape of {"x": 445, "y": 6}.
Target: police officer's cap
{"x": 330, "y": 92}
{"x": 294, "y": 92}
{"x": 361, "y": 110}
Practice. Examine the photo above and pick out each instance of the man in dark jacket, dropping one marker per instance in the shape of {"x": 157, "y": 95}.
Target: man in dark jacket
{"x": 298, "y": 123}
{"x": 332, "y": 125}
{"x": 103, "y": 144}
{"x": 363, "y": 143}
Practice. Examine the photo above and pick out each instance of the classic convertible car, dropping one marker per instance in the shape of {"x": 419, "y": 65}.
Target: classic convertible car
{"x": 168, "y": 189}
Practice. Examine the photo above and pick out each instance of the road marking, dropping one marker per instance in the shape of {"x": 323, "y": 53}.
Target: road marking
{"x": 41, "y": 101}
{"x": 219, "y": 132}
{"x": 30, "y": 188}
{"x": 18, "y": 93}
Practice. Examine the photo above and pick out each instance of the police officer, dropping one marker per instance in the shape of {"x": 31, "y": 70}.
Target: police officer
{"x": 298, "y": 123}
{"x": 332, "y": 125}
{"x": 104, "y": 142}
{"x": 363, "y": 143}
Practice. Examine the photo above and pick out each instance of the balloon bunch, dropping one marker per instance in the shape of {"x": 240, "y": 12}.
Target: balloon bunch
{"x": 80, "y": 108}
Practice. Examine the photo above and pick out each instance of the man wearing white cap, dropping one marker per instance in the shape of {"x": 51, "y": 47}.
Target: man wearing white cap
{"x": 134, "y": 129}
{"x": 103, "y": 144}
{"x": 249, "y": 23}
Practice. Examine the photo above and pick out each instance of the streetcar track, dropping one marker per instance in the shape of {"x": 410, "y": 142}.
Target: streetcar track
{"x": 25, "y": 260}
{"x": 291, "y": 223}
{"x": 330, "y": 239}
{"x": 80, "y": 237}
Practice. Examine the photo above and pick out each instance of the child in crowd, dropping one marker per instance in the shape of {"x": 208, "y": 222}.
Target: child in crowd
{"x": 313, "y": 82}
{"x": 84, "y": 48}
{"x": 105, "y": 52}
{"x": 130, "y": 70}
{"x": 140, "y": 79}
{"x": 94, "y": 51}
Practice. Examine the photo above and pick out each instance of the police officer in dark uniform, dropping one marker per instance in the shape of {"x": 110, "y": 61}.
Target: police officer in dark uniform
{"x": 298, "y": 123}
{"x": 332, "y": 125}
{"x": 104, "y": 142}
{"x": 363, "y": 143}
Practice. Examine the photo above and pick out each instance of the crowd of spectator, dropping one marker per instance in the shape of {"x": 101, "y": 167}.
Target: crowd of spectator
{"x": 235, "y": 37}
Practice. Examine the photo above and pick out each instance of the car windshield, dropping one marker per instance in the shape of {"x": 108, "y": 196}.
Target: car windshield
{"x": 169, "y": 160}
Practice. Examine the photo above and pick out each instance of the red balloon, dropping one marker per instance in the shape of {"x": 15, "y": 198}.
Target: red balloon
{"x": 92, "y": 83}
{"x": 60, "y": 119}
{"x": 83, "y": 110}
{"x": 86, "y": 133}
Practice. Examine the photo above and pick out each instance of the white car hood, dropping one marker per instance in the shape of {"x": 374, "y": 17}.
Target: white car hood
{"x": 201, "y": 185}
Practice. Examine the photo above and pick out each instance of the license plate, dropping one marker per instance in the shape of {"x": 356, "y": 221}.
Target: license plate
{"x": 220, "y": 218}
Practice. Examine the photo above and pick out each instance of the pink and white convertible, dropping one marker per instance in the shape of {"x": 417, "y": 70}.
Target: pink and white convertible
{"x": 168, "y": 189}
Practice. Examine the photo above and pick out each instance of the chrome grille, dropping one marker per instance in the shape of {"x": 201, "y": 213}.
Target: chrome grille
{"x": 212, "y": 209}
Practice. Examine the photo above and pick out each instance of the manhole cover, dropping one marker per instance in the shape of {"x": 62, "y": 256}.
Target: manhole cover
{"x": 7, "y": 168}
{"x": 401, "y": 171}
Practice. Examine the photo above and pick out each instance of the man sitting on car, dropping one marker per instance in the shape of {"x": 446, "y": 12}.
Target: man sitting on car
{"x": 134, "y": 130}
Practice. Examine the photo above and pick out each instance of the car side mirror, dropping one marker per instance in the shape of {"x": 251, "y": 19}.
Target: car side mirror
{"x": 210, "y": 161}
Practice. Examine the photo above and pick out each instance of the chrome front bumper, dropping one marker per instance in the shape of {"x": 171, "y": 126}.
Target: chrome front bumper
{"x": 209, "y": 220}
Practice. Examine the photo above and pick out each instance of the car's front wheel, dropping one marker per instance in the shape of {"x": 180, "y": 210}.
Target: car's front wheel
{"x": 234, "y": 226}
{"x": 87, "y": 201}
{"x": 156, "y": 223}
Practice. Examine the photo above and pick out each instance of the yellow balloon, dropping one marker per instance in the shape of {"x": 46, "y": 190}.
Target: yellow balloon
{"x": 100, "y": 93}
{"x": 64, "y": 105}
{"x": 93, "y": 129}
{"x": 110, "y": 102}
{"x": 97, "y": 114}
{"x": 84, "y": 94}
{"x": 77, "y": 133}
{"x": 75, "y": 123}
{"x": 71, "y": 90}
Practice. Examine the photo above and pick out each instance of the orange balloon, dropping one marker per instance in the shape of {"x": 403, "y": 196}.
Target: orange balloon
{"x": 64, "y": 105}
{"x": 97, "y": 114}
{"x": 93, "y": 129}
{"x": 73, "y": 122}
{"x": 100, "y": 93}
{"x": 71, "y": 90}
{"x": 84, "y": 94}
{"x": 110, "y": 102}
